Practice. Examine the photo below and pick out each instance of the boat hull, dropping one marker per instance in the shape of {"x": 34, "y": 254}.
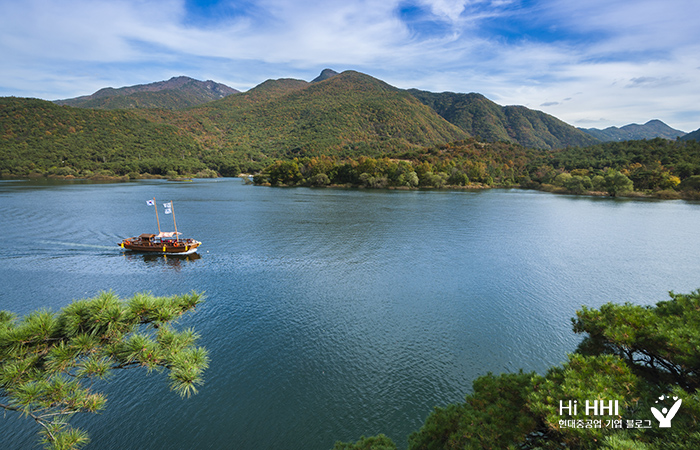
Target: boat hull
{"x": 182, "y": 247}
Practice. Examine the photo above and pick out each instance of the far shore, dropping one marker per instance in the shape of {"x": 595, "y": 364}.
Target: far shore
{"x": 662, "y": 195}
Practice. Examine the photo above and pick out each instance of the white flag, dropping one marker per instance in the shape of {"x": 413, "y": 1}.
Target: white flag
{"x": 150, "y": 202}
{"x": 167, "y": 205}
{"x": 168, "y": 210}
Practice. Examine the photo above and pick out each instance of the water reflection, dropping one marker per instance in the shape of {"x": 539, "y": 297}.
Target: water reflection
{"x": 176, "y": 262}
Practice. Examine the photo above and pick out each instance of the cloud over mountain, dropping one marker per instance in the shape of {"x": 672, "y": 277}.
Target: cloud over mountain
{"x": 618, "y": 61}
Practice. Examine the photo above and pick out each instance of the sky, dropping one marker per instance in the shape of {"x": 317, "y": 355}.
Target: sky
{"x": 591, "y": 63}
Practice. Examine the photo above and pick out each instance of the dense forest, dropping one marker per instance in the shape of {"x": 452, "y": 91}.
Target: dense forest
{"x": 640, "y": 362}
{"x": 40, "y": 138}
{"x": 667, "y": 169}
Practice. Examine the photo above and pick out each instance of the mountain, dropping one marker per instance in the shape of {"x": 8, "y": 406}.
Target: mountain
{"x": 270, "y": 89}
{"x": 346, "y": 114}
{"x": 38, "y": 135}
{"x": 469, "y": 114}
{"x": 694, "y": 136}
{"x": 349, "y": 112}
{"x": 325, "y": 74}
{"x": 491, "y": 122}
{"x": 650, "y": 130}
{"x": 175, "y": 93}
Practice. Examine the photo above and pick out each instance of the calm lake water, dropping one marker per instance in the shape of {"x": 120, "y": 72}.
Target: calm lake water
{"x": 335, "y": 313}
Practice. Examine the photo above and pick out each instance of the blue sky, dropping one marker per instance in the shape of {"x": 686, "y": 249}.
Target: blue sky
{"x": 592, "y": 63}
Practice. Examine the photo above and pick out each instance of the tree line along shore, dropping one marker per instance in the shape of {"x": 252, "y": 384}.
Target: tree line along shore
{"x": 657, "y": 168}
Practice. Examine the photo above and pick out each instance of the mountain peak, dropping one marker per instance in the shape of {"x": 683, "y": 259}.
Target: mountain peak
{"x": 325, "y": 74}
{"x": 652, "y": 129}
{"x": 175, "y": 93}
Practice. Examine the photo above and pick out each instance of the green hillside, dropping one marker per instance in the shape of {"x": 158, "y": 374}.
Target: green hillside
{"x": 350, "y": 113}
{"x": 481, "y": 117}
{"x": 692, "y": 136}
{"x": 166, "y": 99}
{"x": 39, "y": 136}
{"x": 269, "y": 89}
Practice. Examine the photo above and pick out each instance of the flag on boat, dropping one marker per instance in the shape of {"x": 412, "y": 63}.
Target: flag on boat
{"x": 150, "y": 202}
{"x": 168, "y": 207}
{"x": 168, "y": 210}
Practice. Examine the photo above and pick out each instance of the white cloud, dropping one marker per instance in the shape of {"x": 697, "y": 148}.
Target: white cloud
{"x": 448, "y": 9}
{"x": 614, "y": 59}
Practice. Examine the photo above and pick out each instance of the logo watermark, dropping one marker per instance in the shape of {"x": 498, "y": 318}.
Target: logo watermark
{"x": 606, "y": 414}
{"x": 665, "y": 415}
{"x": 595, "y": 408}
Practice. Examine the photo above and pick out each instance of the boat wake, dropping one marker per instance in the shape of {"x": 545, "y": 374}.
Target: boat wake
{"x": 79, "y": 245}
{"x": 188, "y": 252}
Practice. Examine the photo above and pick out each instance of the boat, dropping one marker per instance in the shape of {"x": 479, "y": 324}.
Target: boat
{"x": 164, "y": 243}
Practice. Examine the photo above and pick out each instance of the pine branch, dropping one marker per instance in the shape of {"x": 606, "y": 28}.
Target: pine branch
{"x": 47, "y": 359}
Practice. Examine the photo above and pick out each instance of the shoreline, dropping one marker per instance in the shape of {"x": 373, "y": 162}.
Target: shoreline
{"x": 658, "y": 195}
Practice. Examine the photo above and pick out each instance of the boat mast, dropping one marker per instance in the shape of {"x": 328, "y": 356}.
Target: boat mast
{"x": 155, "y": 205}
{"x": 172, "y": 210}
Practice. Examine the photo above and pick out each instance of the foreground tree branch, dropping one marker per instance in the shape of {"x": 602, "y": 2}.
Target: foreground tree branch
{"x": 49, "y": 361}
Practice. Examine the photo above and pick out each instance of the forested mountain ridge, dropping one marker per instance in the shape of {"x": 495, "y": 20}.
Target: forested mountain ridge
{"x": 650, "y": 130}
{"x": 692, "y": 136}
{"x": 349, "y": 113}
{"x": 480, "y": 117}
{"x": 175, "y": 93}
{"x": 473, "y": 113}
{"x": 38, "y": 136}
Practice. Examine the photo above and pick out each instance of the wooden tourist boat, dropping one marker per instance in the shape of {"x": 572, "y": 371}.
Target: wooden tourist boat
{"x": 155, "y": 243}
{"x": 165, "y": 243}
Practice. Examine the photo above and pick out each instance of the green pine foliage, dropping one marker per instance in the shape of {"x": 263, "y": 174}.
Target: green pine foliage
{"x": 637, "y": 356}
{"x": 379, "y": 442}
{"x": 49, "y": 361}
{"x": 588, "y": 378}
{"x": 663, "y": 340}
{"x": 478, "y": 423}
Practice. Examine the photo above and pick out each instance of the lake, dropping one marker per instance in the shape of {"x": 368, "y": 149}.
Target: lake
{"x": 334, "y": 313}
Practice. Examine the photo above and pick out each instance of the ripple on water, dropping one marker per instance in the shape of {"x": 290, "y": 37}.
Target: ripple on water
{"x": 336, "y": 313}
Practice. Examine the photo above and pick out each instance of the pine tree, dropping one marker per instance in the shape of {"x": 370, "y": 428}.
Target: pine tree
{"x": 49, "y": 361}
